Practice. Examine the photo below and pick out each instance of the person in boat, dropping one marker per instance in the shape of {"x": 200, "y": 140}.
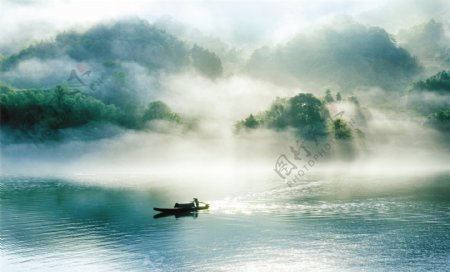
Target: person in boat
{"x": 193, "y": 204}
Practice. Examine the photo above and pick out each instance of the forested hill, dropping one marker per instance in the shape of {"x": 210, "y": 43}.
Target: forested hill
{"x": 346, "y": 56}
{"x": 430, "y": 98}
{"x": 131, "y": 40}
{"x": 107, "y": 62}
{"x": 41, "y": 115}
{"x": 121, "y": 66}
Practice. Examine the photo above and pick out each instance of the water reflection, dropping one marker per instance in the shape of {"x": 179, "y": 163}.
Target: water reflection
{"x": 54, "y": 224}
{"x": 176, "y": 215}
{"x": 84, "y": 224}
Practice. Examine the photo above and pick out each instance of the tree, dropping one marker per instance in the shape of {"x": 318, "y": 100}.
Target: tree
{"x": 277, "y": 116}
{"x": 60, "y": 93}
{"x": 440, "y": 119}
{"x": 338, "y": 96}
{"x": 304, "y": 110}
{"x": 351, "y": 54}
{"x": 341, "y": 130}
{"x": 129, "y": 40}
{"x": 158, "y": 110}
{"x": 206, "y": 62}
{"x": 439, "y": 82}
{"x": 328, "y": 97}
{"x": 354, "y": 100}
{"x": 250, "y": 122}
{"x": 421, "y": 91}
{"x": 45, "y": 112}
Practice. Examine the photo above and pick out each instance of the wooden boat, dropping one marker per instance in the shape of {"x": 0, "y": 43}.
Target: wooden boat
{"x": 183, "y": 208}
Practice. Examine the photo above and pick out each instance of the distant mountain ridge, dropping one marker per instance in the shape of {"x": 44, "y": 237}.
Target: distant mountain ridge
{"x": 346, "y": 56}
{"x": 132, "y": 40}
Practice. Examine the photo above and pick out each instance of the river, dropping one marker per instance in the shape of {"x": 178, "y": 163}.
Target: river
{"x": 54, "y": 224}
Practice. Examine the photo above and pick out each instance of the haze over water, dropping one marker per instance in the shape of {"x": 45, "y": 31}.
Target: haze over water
{"x": 55, "y": 225}
{"x": 318, "y": 132}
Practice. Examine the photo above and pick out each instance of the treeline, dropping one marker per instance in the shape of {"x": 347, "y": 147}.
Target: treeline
{"x": 431, "y": 99}
{"x": 347, "y": 55}
{"x": 306, "y": 114}
{"x": 41, "y": 114}
{"x": 440, "y": 119}
{"x": 439, "y": 82}
{"x": 131, "y": 40}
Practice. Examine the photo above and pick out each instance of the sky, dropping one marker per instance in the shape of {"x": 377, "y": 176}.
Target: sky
{"x": 239, "y": 22}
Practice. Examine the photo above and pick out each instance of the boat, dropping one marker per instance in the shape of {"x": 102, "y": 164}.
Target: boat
{"x": 183, "y": 208}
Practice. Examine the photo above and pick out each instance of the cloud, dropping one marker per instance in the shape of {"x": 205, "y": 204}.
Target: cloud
{"x": 228, "y": 99}
{"x": 396, "y": 15}
{"x": 37, "y": 73}
{"x": 220, "y": 102}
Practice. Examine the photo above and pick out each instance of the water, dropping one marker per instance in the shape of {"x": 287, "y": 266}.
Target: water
{"x": 327, "y": 225}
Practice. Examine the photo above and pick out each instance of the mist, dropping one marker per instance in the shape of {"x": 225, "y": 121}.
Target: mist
{"x": 201, "y": 135}
{"x": 215, "y": 75}
{"x": 211, "y": 152}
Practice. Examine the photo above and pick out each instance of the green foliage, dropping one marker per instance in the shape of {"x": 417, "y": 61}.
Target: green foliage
{"x": 440, "y": 119}
{"x": 127, "y": 40}
{"x": 206, "y": 62}
{"x": 430, "y": 96}
{"x": 277, "y": 116}
{"x": 131, "y": 40}
{"x": 341, "y": 130}
{"x": 51, "y": 110}
{"x": 250, "y": 122}
{"x": 338, "y": 96}
{"x": 115, "y": 89}
{"x": 354, "y": 100}
{"x": 43, "y": 50}
{"x": 43, "y": 113}
{"x": 5, "y": 88}
{"x": 158, "y": 110}
{"x": 61, "y": 107}
{"x": 328, "y": 97}
{"x": 108, "y": 50}
{"x": 303, "y": 112}
{"x": 349, "y": 55}
{"x": 439, "y": 82}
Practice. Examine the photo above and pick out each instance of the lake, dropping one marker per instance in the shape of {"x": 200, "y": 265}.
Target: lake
{"x": 51, "y": 224}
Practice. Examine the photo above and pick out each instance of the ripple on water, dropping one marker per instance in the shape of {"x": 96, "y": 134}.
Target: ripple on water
{"x": 55, "y": 224}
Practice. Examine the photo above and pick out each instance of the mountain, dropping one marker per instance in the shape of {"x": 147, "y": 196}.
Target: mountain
{"x": 430, "y": 43}
{"x": 108, "y": 61}
{"x": 132, "y": 40}
{"x": 346, "y": 56}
